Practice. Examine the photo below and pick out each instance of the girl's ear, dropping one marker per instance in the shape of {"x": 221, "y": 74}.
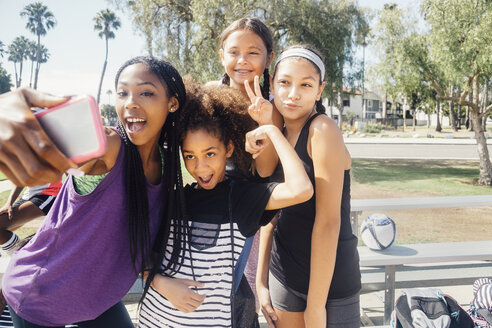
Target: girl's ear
{"x": 269, "y": 60}
{"x": 320, "y": 91}
{"x": 173, "y": 105}
{"x": 221, "y": 54}
{"x": 229, "y": 149}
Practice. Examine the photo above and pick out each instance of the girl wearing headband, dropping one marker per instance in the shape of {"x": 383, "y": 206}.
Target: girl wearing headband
{"x": 311, "y": 274}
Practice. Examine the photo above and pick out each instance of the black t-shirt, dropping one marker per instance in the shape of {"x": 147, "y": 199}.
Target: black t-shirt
{"x": 207, "y": 256}
{"x": 249, "y": 199}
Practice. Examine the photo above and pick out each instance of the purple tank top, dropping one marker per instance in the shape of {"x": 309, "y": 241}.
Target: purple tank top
{"x": 79, "y": 265}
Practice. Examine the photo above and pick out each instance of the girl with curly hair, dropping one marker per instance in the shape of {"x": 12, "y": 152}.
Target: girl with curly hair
{"x": 220, "y": 212}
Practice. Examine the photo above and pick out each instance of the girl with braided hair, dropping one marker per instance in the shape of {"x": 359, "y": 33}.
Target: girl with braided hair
{"x": 246, "y": 51}
{"x": 99, "y": 234}
{"x": 221, "y": 213}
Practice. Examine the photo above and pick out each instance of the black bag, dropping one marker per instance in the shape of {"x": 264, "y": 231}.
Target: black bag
{"x": 430, "y": 308}
{"x": 243, "y": 307}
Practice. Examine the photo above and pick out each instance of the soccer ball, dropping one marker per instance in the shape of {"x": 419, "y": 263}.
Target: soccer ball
{"x": 378, "y": 231}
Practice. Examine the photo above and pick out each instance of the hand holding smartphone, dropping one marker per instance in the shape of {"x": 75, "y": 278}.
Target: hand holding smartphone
{"x": 75, "y": 127}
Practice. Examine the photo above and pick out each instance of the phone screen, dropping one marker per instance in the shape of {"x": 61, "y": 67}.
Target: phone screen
{"x": 76, "y": 128}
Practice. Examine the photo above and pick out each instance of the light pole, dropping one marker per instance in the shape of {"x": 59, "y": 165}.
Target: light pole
{"x": 364, "y": 44}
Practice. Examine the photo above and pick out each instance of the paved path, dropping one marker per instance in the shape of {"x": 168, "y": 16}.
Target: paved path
{"x": 418, "y": 148}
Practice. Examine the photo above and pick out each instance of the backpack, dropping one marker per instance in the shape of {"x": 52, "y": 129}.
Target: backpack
{"x": 481, "y": 306}
{"x": 428, "y": 308}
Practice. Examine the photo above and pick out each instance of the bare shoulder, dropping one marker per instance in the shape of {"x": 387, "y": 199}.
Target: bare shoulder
{"x": 324, "y": 127}
{"x": 326, "y": 140}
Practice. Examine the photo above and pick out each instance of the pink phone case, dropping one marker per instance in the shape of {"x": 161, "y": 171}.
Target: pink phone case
{"x": 76, "y": 128}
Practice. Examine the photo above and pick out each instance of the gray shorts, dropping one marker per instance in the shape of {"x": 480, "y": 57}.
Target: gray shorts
{"x": 341, "y": 312}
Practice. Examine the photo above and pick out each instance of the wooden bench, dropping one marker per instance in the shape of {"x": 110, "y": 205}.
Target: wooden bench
{"x": 437, "y": 270}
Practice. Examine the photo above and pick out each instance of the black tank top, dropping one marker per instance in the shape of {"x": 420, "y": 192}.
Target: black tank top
{"x": 291, "y": 252}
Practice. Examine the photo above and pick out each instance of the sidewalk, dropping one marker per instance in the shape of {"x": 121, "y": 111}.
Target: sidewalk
{"x": 372, "y": 304}
{"x": 353, "y": 139}
{"x": 420, "y": 135}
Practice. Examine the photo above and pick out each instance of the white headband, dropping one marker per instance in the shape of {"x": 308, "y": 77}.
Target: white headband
{"x": 303, "y": 53}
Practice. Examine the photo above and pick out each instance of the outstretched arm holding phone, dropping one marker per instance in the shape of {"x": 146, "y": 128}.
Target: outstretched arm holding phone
{"x": 75, "y": 128}
{"x": 27, "y": 156}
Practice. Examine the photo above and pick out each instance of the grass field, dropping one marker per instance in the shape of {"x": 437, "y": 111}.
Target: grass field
{"x": 2, "y": 176}
{"x": 397, "y": 178}
{"x": 409, "y": 178}
{"x": 427, "y": 177}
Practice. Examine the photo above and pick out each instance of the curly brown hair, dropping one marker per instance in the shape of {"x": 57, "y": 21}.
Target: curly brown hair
{"x": 222, "y": 112}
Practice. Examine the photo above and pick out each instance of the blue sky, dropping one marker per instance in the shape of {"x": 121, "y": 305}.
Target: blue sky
{"x": 77, "y": 53}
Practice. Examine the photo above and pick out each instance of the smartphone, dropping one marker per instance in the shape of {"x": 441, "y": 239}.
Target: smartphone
{"x": 75, "y": 127}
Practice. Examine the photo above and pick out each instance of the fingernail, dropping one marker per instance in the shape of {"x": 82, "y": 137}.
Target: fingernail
{"x": 75, "y": 172}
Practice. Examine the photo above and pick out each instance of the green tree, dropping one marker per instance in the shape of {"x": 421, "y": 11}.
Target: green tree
{"x": 39, "y": 20}
{"x": 18, "y": 52}
{"x": 335, "y": 28}
{"x": 5, "y": 82}
{"x": 44, "y": 56}
{"x": 391, "y": 28}
{"x": 105, "y": 22}
{"x": 108, "y": 112}
{"x": 457, "y": 48}
{"x": 2, "y": 50}
{"x": 186, "y": 32}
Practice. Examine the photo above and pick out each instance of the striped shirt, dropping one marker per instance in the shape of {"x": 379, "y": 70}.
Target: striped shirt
{"x": 207, "y": 258}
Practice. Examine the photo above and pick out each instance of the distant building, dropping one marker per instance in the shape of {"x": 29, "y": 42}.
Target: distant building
{"x": 352, "y": 102}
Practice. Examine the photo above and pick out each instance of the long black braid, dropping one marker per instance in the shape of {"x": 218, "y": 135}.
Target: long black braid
{"x": 259, "y": 28}
{"x": 265, "y": 88}
{"x": 137, "y": 202}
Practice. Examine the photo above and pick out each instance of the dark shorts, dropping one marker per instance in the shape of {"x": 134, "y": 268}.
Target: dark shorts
{"x": 44, "y": 202}
{"x": 340, "y": 313}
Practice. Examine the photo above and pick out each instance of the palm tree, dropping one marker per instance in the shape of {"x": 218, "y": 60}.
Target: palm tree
{"x": 109, "y": 93}
{"x": 32, "y": 54}
{"x": 43, "y": 58}
{"x": 18, "y": 51}
{"x": 105, "y": 21}
{"x": 39, "y": 20}
{"x": 13, "y": 57}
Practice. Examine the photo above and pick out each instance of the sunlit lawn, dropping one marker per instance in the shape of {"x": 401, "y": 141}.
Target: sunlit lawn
{"x": 433, "y": 177}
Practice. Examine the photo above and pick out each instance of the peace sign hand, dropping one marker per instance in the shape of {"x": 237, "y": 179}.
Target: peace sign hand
{"x": 260, "y": 110}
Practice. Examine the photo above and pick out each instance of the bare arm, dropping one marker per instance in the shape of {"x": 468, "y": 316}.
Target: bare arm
{"x": 297, "y": 187}
{"x": 14, "y": 194}
{"x": 329, "y": 160}
{"x": 7, "y": 207}
{"x": 27, "y": 156}
{"x": 262, "y": 285}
